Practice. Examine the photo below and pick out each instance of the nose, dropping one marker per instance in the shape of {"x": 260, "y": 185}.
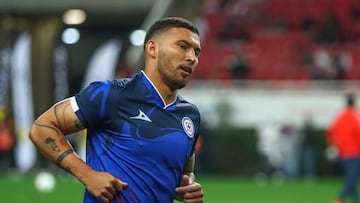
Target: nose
{"x": 191, "y": 57}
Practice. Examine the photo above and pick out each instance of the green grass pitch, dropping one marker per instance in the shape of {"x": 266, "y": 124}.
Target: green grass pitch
{"x": 19, "y": 189}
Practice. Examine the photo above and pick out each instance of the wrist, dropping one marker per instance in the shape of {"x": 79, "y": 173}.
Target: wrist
{"x": 76, "y": 166}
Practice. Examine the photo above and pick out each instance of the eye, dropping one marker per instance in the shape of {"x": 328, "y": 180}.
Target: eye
{"x": 197, "y": 52}
{"x": 182, "y": 45}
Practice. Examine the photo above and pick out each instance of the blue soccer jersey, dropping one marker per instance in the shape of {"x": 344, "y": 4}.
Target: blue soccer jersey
{"x": 133, "y": 135}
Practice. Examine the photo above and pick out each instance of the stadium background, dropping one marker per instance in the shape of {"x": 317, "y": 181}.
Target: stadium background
{"x": 278, "y": 86}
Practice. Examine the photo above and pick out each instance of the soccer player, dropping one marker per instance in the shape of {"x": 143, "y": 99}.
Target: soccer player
{"x": 140, "y": 133}
{"x": 344, "y": 135}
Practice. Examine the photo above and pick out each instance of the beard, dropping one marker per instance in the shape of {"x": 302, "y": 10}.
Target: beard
{"x": 169, "y": 75}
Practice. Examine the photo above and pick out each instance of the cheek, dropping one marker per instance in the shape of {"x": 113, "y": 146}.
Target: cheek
{"x": 168, "y": 60}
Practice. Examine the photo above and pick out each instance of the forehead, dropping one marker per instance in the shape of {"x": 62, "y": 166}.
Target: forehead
{"x": 179, "y": 34}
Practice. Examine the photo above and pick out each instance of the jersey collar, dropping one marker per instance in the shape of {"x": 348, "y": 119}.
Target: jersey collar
{"x": 159, "y": 99}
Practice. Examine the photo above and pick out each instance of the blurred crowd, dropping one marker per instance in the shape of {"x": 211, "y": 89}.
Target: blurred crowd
{"x": 307, "y": 44}
{"x": 286, "y": 151}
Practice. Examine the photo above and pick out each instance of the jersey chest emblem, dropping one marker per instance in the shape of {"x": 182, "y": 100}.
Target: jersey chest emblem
{"x": 188, "y": 126}
{"x": 142, "y": 116}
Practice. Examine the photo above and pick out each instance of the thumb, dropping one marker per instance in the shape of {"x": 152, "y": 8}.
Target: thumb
{"x": 185, "y": 180}
{"x": 124, "y": 184}
{"x": 120, "y": 185}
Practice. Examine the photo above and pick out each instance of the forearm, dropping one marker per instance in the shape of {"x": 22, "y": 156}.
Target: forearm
{"x": 52, "y": 143}
{"x": 49, "y": 140}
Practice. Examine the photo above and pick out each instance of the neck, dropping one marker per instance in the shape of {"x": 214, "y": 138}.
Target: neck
{"x": 166, "y": 93}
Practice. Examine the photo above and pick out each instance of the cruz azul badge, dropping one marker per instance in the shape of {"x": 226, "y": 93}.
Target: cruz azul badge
{"x": 188, "y": 126}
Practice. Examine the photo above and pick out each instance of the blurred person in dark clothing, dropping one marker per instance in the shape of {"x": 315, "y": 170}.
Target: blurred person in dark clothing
{"x": 308, "y": 148}
{"x": 239, "y": 64}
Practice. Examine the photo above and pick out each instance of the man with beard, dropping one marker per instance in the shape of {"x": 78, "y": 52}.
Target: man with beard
{"x": 140, "y": 133}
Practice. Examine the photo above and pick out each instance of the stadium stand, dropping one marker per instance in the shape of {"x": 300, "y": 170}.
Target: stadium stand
{"x": 278, "y": 39}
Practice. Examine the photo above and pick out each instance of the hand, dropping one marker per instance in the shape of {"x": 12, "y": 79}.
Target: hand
{"x": 191, "y": 192}
{"x": 104, "y": 186}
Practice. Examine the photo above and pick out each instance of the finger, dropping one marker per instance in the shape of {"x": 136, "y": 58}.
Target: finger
{"x": 105, "y": 197}
{"x": 189, "y": 188}
{"x": 197, "y": 200}
{"x": 193, "y": 195}
{"x": 108, "y": 195}
{"x": 119, "y": 185}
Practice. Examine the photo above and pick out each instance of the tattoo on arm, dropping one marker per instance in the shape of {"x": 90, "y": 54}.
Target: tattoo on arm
{"x": 62, "y": 157}
{"x": 78, "y": 124}
{"x": 61, "y": 117}
{"x": 58, "y": 112}
{"x": 46, "y": 126}
{"x": 52, "y": 143}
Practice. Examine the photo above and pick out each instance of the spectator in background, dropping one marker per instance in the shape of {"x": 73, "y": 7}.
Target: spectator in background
{"x": 322, "y": 67}
{"x": 330, "y": 29}
{"x": 342, "y": 61}
{"x": 289, "y": 144}
{"x": 344, "y": 135}
{"x": 239, "y": 64}
{"x": 331, "y": 62}
{"x": 308, "y": 148}
{"x": 7, "y": 141}
{"x": 269, "y": 154}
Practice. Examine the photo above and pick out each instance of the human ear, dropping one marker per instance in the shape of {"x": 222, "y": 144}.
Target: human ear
{"x": 151, "y": 48}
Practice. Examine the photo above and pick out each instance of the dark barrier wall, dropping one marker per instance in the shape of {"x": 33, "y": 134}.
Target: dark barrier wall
{"x": 232, "y": 151}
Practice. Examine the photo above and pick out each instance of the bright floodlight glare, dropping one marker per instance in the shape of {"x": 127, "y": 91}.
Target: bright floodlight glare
{"x": 70, "y": 36}
{"x": 137, "y": 37}
{"x": 74, "y": 16}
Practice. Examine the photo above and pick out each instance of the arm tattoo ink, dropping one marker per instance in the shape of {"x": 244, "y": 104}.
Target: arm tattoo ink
{"x": 52, "y": 143}
{"x": 58, "y": 113}
{"x": 78, "y": 124}
{"x": 46, "y": 126}
{"x": 62, "y": 157}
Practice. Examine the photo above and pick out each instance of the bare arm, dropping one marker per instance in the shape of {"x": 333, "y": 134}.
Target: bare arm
{"x": 189, "y": 168}
{"x": 48, "y": 134}
{"x": 189, "y": 190}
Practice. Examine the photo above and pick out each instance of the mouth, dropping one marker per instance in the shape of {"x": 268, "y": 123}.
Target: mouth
{"x": 187, "y": 69}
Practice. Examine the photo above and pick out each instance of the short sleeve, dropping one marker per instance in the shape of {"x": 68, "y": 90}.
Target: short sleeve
{"x": 94, "y": 103}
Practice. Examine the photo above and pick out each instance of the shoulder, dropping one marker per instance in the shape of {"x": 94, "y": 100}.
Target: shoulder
{"x": 116, "y": 83}
{"x": 182, "y": 103}
{"x": 123, "y": 82}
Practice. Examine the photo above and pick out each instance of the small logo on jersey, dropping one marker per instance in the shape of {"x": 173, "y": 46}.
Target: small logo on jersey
{"x": 188, "y": 126}
{"x": 141, "y": 116}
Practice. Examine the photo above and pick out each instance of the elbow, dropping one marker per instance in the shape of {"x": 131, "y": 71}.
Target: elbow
{"x": 32, "y": 133}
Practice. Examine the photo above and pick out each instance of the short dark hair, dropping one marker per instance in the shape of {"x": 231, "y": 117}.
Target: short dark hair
{"x": 167, "y": 23}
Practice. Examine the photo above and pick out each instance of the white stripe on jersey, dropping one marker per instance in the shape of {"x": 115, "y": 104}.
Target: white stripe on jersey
{"x": 74, "y": 104}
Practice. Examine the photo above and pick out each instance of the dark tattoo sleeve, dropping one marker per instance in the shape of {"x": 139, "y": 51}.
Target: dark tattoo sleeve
{"x": 63, "y": 155}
